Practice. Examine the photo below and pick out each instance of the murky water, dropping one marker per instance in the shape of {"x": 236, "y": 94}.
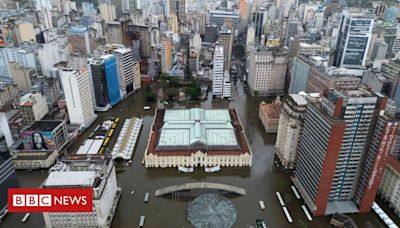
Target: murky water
{"x": 261, "y": 181}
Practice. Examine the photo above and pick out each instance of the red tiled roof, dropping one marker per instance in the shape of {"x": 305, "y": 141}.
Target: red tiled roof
{"x": 271, "y": 110}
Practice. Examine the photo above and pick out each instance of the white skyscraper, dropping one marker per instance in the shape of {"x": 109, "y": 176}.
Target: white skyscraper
{"x": 226, "y": 88}
{"x": 125, "y": 69}
{"x": 78, "y": 96}
{"x": 354, "y": 39}
{"x": 218, "y": 71}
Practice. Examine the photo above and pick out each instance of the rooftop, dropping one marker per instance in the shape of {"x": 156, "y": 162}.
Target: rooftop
{"x": 71, "y": 178}
{"x": 272, "y": 110}
{"x": 44, "y": 125}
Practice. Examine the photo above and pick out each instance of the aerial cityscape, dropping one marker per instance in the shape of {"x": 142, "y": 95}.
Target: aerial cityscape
{"x": 199, "y": 113}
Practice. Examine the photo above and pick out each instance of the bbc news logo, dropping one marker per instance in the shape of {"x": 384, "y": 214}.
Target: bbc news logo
{"x": 50, "y": 200}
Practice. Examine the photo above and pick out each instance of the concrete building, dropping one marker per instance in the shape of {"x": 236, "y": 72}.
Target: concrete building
{"x": 78, "y": 96}
{"x": 292, "y": 29}
{"x": 33, "y": 107}
{"x": 218, "y": 71}
{"x": 25, "y": 32}
{"x": 375, "y": 80}
{"x": 125, "y": 70}
{"x": 290, "y": 124}
{"x": 225, "y": 39}
{"x": 311, "y": 49}
{"x": 217, "y": 17}
{"x": 355, "y": 33}
{"x": 137, "y": 82}
{"x": 88, "y": 9}
{"x": 391, "y": 14}
{"x": 83, "y": 172}
{"x": 299, "y": 74}
{"x": 8, "y": 92}
{"x": 259, "y": 19}
{"x": 22, "y": 76}
{"x": 178, "y": 8}
{"x": 81, "y": 40}
{"x": 379, "y": 50}
{"x": 205, "y": 138}
{"x": 25, "y": 56}
{"x": 250, "y": 36}
{"x": 389, "y": 189}
{"x": 336, "y": 152}
{"x": 104, "y": 75}
{"x": 114, "y": 32}
{"x": 226, "y": 85}
{"x": 166, "y": 54}
{"x": 391, "y": 70}
{"x": 322, "y": 78}
{"x": 269, "y": 115}
{"x": 48, "y": 56}
{"x": 107, "y": 12}
{"x": 194, "y": 59}
{"x": 267, "y": 71}
{"x": 51, "y": 90}
{"x": 8, "y": 178}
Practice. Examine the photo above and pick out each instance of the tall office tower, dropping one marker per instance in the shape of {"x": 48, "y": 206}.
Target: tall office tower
{"x": 173, "y": 24}
{"x": 25, "y": 56}
{"x": 217, "y": 17}
{"x": 250, "y": 36}
{"x": 244, "y": 9}
{"x": 77, "y": 94}
{"x": 292, "y": 29}
{"x": 391, "y": 70}
{"x": 114, "y": 32}
{"x": 22, "y": 76}
{"x": 94, "y": 172}
{"x": 379, "y": 50}
{"x": 105, "y": 82}
{"x": 142, "y": 34}
{"x": 218, "y": 71}
{"x": 166, "y": 54}
{"x": 226, "y": 86}
{"x": 80, "y": 40}
{"x": 267, "y": 71}
{"x": 24, "y": 32}
{"x": 42, "y": 4}
{"x": 48, "y": 55}
{"x": 289, "y": 129}
{"x": 259, "y": 20}
{"x": 125, "y": 70}
{"x": 336, "y": 138}
{"x": 178, "y": 8}
{"x": 354, "y": 39}
{"x": 33, "y": 107}
{"x": 107, "y": 12}
{"x": 51, "y": 90}
{"x": 381, "y": 144}
{"x": 225, "y": 39}
{"x": 319, "y": 19}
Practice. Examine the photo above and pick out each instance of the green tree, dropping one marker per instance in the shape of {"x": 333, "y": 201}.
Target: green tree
{"x": 171, "y": 93}
{"x": 149, "y": 95}
{"x": 193, "y": 91}
{"x": 174, "y": 82}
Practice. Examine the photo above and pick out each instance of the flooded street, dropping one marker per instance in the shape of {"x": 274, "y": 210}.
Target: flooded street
{"x": 261, "y": 181}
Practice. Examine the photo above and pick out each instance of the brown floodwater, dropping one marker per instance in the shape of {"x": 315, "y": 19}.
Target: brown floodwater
{"x": 261, "y": 181}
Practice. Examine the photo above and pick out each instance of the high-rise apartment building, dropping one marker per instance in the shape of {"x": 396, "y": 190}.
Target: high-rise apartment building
{"x": 107, "y": 12}
{"x": 51, "y": 90}
{"x": 105, "y": 81}
{"x": 78, "y": 96}
{"x": 81, "y": 40}
{"x": 218, "y": 71}
{"x": 338, "y": 145}
{"x": 259, "y": 20}
{"x": 218, "y": 17}
{"x": 22, "y": 76}
{"x": 125, "y": 70}
{"x": 267, "y": 71}
{"x": 289, "y": 129}
{"x": 226, "y": 86}
{"x": 225, "y": 39}
{"x": 354, "y": 39}
{"x": 178, "y": 8}
{"x": 25, "y": 56}
{"x": 33, "y": 107}
{"x": 8, "y": 92}
{"x": 114, "y": 32}
{"x": 8, "y": 178}
{"x": 166, "y": 54}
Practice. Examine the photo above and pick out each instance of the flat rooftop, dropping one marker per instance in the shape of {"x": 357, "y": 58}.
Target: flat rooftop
{"x": 71, "y": 178}
{"x": 44, "y": 125}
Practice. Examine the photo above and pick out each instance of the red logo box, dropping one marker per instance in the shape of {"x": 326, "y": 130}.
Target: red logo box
{"x": 50, "y": 200}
